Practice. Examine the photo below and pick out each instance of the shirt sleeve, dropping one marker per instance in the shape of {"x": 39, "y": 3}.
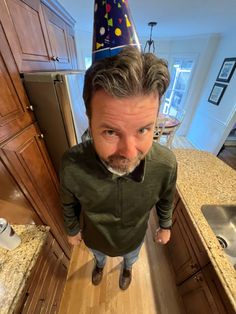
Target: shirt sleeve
{"x": 164, "y": 207}
{"x": 71, "y": 209}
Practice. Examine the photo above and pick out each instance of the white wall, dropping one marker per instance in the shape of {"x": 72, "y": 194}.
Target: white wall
{"x": 84, "y": 46}
{"x": 212, "y": 124}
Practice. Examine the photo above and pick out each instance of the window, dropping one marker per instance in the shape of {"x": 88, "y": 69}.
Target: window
{"x": 88, "y": 62}
{"x": 180, "y": 77}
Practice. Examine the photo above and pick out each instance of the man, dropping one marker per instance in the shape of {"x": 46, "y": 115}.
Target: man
{"x": 110, "y": 184}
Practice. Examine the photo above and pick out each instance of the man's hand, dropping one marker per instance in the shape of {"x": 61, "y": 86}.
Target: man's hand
{"x": 76, "y": 239}
{"x": 162, "y": 236}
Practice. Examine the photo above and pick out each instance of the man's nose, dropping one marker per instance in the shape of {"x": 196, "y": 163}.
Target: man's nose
{"x": 127, "y": 147}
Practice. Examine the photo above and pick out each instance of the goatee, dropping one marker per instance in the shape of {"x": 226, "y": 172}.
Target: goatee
{"x": 123, "y": 165}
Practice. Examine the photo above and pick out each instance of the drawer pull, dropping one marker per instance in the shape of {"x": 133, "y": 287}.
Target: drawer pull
{"x": 30, "y": 108}
{"x": 198, "y": 278}
{"x": 193, "y": 265}
{"x": 40, "y": 136}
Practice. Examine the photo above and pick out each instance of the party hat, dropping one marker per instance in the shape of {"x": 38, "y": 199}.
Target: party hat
{"x": 113, "y": 28}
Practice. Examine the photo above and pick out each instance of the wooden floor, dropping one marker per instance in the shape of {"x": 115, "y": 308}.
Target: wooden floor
{"x": 152, "y": 290}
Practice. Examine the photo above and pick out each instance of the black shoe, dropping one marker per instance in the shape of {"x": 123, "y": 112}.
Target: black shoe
{"x": 125, "y": 278}
{"x": 97, "y": 275}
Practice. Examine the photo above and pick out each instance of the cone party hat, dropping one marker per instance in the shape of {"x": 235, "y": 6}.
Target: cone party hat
{"x": 113, "y": 28}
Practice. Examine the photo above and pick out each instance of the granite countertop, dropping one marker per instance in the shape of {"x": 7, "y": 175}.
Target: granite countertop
{"x": 16, "y": 265}
{"x": 203, "y": 179}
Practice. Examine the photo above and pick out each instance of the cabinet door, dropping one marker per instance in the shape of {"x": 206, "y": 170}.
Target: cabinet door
{"x": 26, "y": 157}
{"x": 26, "y": 32}
{"x": 194, "y": 237}
{"x": 220, "y": 297}
{"x": 197, "y": 297}
{"x": 14, "y": 105}
{"x": 47, "y": 281}
{"x": 57, "y": 31}
{"x": 72, "y": 47}
{"x": 13, "y": 204}
{"x": 181, "y": 252}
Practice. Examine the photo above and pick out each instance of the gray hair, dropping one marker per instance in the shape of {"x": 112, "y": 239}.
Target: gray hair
{"x": 129, "y": 73}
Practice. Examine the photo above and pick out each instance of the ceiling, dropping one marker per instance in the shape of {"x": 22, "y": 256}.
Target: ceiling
{"x": 175, "y": 18}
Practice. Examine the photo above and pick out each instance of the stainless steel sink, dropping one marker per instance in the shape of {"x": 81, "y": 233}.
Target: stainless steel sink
{"x": 222, "y": 220}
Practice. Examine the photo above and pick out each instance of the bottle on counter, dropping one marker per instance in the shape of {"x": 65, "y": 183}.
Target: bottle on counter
{"x": 8, "y": 238}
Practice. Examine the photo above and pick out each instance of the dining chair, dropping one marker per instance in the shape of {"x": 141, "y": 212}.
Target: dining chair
{"x": 169, "y": 132}
{"x": 159, "y": 129}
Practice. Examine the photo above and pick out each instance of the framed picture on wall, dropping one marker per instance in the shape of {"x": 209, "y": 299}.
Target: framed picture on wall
{"x": 227, "y": 70}
{"x": 217, "y": 93}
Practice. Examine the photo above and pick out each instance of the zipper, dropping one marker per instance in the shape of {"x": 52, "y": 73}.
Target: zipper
{"x": 119, "y": 197}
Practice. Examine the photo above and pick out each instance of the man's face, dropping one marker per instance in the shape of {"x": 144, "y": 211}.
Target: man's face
{"x": 122, "y": 128}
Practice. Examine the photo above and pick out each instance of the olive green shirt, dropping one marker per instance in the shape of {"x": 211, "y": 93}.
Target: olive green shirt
{"x": 113, "y": 210}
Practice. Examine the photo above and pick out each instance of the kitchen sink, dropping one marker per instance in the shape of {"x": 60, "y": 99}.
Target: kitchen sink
{"x": 222, "y": 220}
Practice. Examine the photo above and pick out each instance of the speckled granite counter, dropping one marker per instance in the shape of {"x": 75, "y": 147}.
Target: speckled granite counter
{"x": 16, "y": 265}
{"x": 203, "y": 179}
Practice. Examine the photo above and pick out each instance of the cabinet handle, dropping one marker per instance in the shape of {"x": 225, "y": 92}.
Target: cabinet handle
{"x": 193, "y": 265}
{"x": 30, "y": 108}
{"x": 40, "y": 136}
{"x": 198, "y": 278}
{"x": 54, "y": 58}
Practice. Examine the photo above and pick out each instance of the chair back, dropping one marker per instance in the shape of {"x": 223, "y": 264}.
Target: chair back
{"x": 180, "y": 115}
{"x": 177, "y": 113}
{"x": 163, "y": 128}
{"x": 159, "y": 129}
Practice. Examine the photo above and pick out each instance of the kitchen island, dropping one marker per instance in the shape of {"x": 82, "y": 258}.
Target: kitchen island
{"x": 17, "y": 265}
{"x": 203, "y": 179}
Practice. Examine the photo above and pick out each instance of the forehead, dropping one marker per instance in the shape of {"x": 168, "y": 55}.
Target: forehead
{"x": 107, "y": 108}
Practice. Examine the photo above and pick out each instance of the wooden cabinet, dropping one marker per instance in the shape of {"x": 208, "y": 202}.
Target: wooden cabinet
{"x": 203, "y": 293}
{"x": 72, "y": 47}
{"x": 27, "y": 160}
{"x": 57, "y": 31}
{"x": 39, "y": 38}
{"x": 46, "y": 284}
{"x": 182, "y": 256}
{"x": 14, "y": 206}
{"x": 186, "y": 251}
{"x": 30, "y": 38}
{"x": 221, "y": 300}
{"x": 14, "y": 104}
{"x": 199, "y": 286}
{"x": 197, "y": 297}
{"x": 176, "y": 200}
{"x": 26, "y": 32}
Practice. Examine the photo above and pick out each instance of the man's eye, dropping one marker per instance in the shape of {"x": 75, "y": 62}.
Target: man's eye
{"x": 143, "y": 131}
{"x": 110, "y": 133}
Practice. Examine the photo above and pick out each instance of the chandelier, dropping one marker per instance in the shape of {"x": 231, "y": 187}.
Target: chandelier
{"x": 150, "y": 43}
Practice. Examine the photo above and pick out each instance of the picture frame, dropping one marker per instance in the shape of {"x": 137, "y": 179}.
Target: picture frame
{"x": 226, "y": 70}
{"x": 217, "y": 93}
